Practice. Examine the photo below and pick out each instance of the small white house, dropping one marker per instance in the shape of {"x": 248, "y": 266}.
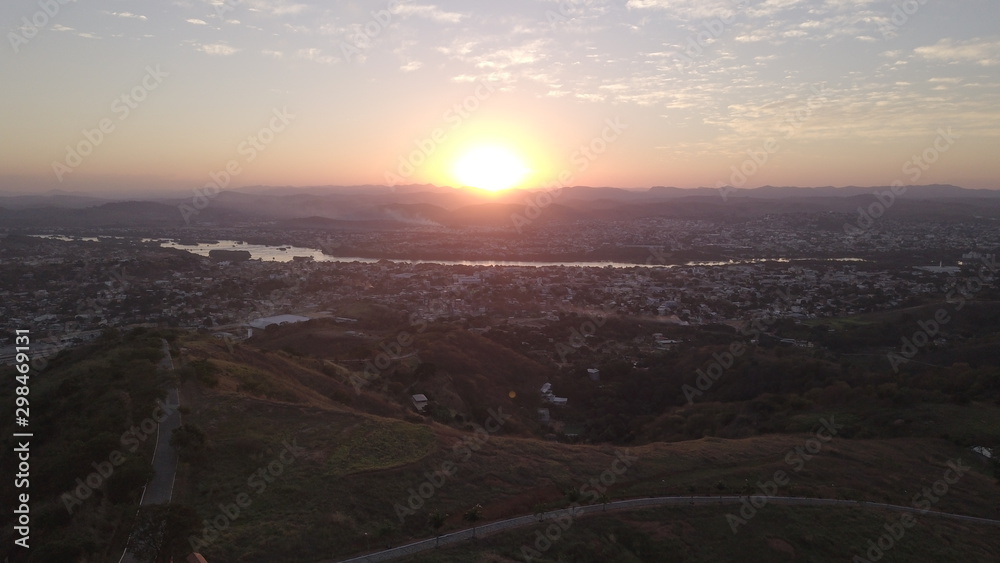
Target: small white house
{"x": 419, "y": 402}
{"x": 550, "y": 397}
{"x": 983, "y": 451}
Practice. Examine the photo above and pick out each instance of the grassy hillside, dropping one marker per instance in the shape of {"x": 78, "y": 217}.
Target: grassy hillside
{"x": 463, "y": 374}
{"x": 299, "y": 463}
{"x": 92, "y": 412}
{"x": 777, "y": 533}
{"x": 358, "y": 477}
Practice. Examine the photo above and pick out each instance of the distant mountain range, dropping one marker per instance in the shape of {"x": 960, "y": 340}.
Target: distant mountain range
{"x": 382, "y": 207}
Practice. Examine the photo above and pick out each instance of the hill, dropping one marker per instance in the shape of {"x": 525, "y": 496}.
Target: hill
{"x": 299, "y": 463}
{"x": 458, "y": 465}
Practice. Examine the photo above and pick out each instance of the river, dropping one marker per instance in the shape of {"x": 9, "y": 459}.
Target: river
{"x": 285, "y": 253}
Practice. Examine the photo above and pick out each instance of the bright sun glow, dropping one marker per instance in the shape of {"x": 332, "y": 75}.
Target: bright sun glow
{"x": 490, "y": 168}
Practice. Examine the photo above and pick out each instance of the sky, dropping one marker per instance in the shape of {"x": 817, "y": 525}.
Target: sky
{"x": 143, "y": 96}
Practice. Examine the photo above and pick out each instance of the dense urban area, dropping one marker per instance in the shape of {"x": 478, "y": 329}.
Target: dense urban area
{"x": 685, "y": 273}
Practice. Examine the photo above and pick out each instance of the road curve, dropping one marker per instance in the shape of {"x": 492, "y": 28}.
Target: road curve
{"x": 634, "y": 504}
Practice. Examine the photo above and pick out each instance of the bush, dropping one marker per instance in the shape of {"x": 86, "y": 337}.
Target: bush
{"x": 130, "y": 477}
{"x": 189, "y": 440}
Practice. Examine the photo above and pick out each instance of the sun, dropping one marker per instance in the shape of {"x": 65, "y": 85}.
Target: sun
{"x": 491, "y": 168}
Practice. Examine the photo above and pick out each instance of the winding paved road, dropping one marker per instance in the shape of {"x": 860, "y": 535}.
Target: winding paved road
{"x": 633, "y": 504}
{"x": 160, "y": 488}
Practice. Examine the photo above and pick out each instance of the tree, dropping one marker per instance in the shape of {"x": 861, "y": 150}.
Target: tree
{"x": 425, "y": 371}
{"x": 436, "y": 523}
{"x": 475, "y": 514}
{"x": 573, "y": 495}
{"x": 189, "y": 440}
{"x": 128, "y": 479}
{"x": 604, "y": 500}
{"x": 161, "y": 531}
{"x": 385, "y": 531}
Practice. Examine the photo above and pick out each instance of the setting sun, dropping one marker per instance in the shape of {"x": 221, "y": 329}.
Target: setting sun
{"x": 490, "y": 168}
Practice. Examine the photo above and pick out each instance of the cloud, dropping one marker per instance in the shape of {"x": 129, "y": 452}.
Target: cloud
{"x": 978, "y": 51}
{"x": 315, "y": 55}
{"x": 691, "y": 9}
{"x": 276, "y": 7}
{"x": 268, "y": 7}
{"x": 411, "y": 66}
{"x": 197, "y": 21}
{"x": 220, "y": 49}
{"x": 128, "y": 15}
{"x": 430, "y": 12}
{"x": 459, "y": 48}
{"x": 526, "y": 53}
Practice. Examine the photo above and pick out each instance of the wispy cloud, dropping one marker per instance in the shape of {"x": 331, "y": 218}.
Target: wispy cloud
{"x": 982, "y": 52}
{"x": 219, "y": 49}
{"x": 127, "y": 15}
{"x": 316, "y": 55}
{"x": 430, "y": 12}
{"x": 276, "y": 7}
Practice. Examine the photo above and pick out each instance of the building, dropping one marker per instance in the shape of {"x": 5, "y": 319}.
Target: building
{"x": 544, "y": 416}
{"x": 419, "y": 402}
{"x": 550, "y": 397}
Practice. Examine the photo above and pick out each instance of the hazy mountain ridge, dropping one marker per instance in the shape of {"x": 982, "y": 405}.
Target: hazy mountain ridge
{"x": 433, "y": 206}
